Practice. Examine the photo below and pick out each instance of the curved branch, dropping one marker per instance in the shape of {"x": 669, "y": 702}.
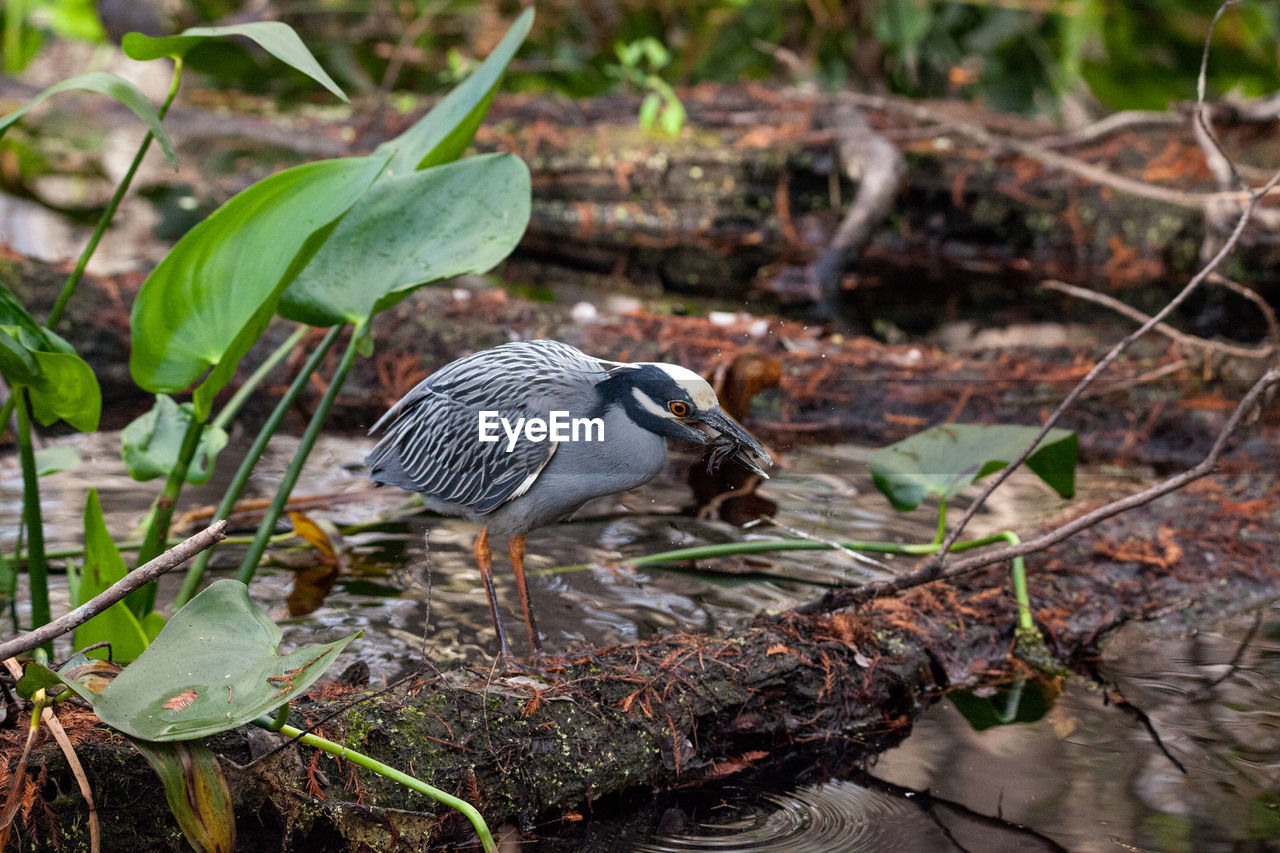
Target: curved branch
{"x": 144, "y": 574}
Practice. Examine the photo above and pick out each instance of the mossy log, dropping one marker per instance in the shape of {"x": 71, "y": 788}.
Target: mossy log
{"x": 679, "y": 709}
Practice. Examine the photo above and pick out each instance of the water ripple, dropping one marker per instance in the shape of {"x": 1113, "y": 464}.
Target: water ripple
{"x": 837, "y": 815}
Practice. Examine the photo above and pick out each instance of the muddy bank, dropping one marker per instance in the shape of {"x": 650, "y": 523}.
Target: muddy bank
{"x": 686, "y": 708}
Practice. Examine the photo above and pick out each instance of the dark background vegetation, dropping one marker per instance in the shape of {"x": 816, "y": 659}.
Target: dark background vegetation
{"x": 1067, "y": 58}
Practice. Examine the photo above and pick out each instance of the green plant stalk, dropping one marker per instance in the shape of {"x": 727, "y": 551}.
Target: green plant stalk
{"x": 142, "y": 601}
{"x": 1025, "y": 620}
{"x": 195, "y": 572}
{"x": 255, "y": 379}
{"x": 6, "y": 411}
{"x": 250, "y": 563}
{"x": 109, "y": 213}
{"x": 37, "y": 565}
{"x": 762, "y": 546}
{"x": 362, "y": 760}
{"x": 942, "y": 523}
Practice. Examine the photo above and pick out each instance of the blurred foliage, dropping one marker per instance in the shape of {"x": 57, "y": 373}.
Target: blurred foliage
{"x": 29, "y": 23}
{"x": 1020, "y": 55}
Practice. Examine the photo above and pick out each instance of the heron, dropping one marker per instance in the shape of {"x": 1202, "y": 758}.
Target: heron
{"x": 442, "y": 442}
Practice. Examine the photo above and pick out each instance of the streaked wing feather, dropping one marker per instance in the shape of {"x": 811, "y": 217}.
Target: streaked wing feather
{"x": 432, "y": 442}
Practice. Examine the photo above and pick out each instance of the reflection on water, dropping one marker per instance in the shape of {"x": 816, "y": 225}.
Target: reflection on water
{"x": 1090, "y": 776}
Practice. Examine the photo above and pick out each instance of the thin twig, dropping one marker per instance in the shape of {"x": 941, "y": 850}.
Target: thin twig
{"x": 140, "y": 576}
{"x": 1179, "y": 337}
{"x": 838, "y": 599}
{"x": 1220, "y": 163}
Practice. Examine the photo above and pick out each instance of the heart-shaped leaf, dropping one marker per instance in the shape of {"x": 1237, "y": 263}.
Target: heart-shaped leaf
{"x": 107, "y": 84}
{"x": 943, "y": 460}
{"x": 410, "y": 230}
{"x": 445, "y": 132}
{"x": 213, "y": 667}
{"x": 276, "y": 38}
{"x": 151, "y": 443}
{"x": 214, "y": 293}
{"x": 103, "y": 566}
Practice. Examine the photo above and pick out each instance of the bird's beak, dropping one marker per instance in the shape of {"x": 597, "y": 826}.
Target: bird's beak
{"x": 723, "y": 425}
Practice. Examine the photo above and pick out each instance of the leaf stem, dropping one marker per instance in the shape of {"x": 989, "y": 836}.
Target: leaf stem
{"x": 255, "y": 379}
{"x": 762, "y": 546}
{"x": 143, "y": 600}
{"x": 942, "y": 523}
{"x": 1025, "y": 620}
{"x": 195, "y": 574}
{"x": 362, "y": 760}
{"x": 249, "y": 564}
{"x": 37, "y": 566}
{"x": 109, "y": 213}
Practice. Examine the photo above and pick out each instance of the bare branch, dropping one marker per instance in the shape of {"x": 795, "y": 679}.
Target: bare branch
{"x": 1179, "y": 337}
{"x": 837, "y": 599}
{"x": 144, "y": 574}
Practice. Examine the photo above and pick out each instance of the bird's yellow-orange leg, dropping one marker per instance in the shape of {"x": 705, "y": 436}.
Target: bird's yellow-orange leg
{"x": 484, "y": 559}
{"x": 516, "y": 548}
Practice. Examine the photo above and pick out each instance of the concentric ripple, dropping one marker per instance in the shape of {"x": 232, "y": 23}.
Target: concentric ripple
{"x": 837, "y": 815}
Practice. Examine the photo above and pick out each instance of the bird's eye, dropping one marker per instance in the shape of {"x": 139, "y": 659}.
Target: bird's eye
{"x": 679, "y": 408}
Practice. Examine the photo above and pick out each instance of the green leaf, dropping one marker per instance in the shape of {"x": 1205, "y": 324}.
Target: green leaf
{"x": 214, "y": 293}
{"x": 649, "y": 110}
{"x": 196, "y": 791}
{"x": 213, "y": 667}
{"x": 445, "y": 132}
{"x": 17, "y": 364}
{"x": 673, "y": 117}
{"x": 943, "y": 460}
{"x": 150, "y": 444}
{"x": 55, "y": 458}
{"x": 276, "y": 38}
{"x": 103, "y": 566}
{"x": 411, "y": 230}
{"x": 83, "y": 676}
{"x": 69, "y": 390}
{"x": 62, "y": 384}
{"x": 107, "y": 84}
{"x": 152, "y": 624}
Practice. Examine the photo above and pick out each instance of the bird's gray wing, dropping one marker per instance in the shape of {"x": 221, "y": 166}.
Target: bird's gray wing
{"x": 432, "y": 442}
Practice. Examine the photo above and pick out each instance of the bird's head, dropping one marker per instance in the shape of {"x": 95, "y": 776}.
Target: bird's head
{"x": 675, "y": 402}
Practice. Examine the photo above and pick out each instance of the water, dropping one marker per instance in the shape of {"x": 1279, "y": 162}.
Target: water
{"x": 1087, "y": 777}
